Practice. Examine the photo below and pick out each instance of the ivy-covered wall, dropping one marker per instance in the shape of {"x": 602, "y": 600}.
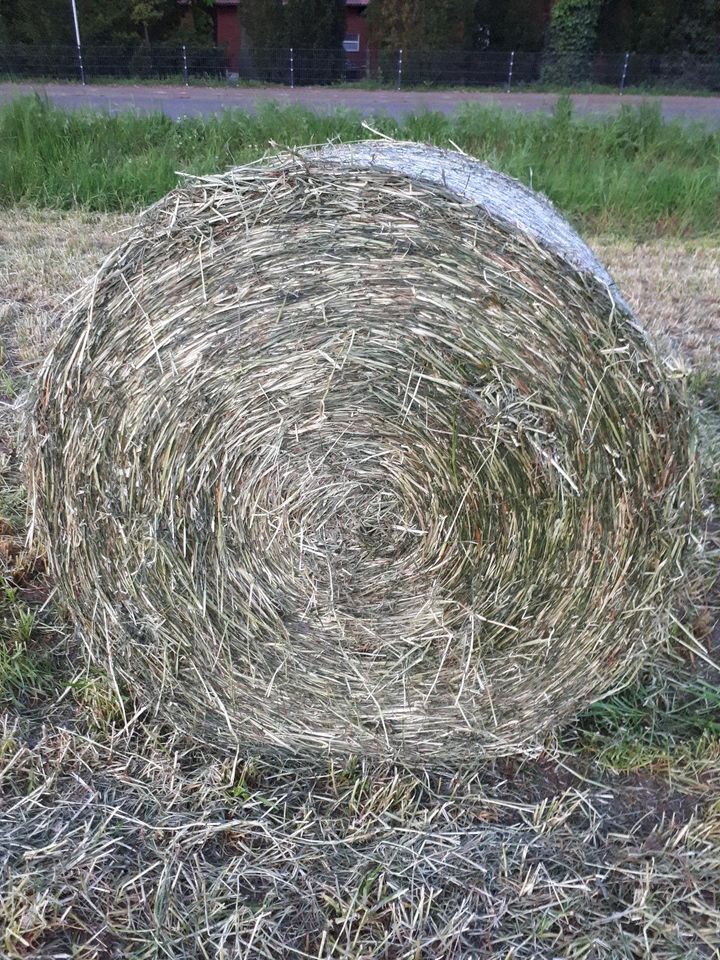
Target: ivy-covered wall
{"x": 571, "y": 41}
{"x": 423, "y": 24}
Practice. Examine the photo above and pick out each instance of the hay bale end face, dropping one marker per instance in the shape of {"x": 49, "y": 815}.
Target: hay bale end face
{"x": 360, "y": 450}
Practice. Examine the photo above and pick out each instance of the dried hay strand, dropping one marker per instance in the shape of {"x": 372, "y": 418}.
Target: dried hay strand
{"x": 360, "y": 450}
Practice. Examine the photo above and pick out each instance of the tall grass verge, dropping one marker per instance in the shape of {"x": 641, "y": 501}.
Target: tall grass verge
{"x": 626, "y": 174}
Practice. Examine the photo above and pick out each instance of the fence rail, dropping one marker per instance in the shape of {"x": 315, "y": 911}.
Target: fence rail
{"x": 121, "y": 62}
{"x": 506, "y": 69}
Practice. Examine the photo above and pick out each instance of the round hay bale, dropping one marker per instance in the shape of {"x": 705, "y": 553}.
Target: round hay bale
{"x": 359, "y": 449}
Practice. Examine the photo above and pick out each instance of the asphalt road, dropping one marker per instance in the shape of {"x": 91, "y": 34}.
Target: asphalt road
{"x": 178, "y": 101}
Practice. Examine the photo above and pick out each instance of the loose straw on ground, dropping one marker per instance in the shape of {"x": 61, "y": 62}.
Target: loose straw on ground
{"x": 360, "y": 450}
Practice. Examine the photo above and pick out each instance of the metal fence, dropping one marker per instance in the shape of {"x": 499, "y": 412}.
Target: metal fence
{"x": 90, "y": 63}
{"x": 504, "y": 69}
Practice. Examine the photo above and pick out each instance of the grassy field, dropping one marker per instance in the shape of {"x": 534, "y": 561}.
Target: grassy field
{"x": 119, "y": 838}
{"x": 628, "y": 174}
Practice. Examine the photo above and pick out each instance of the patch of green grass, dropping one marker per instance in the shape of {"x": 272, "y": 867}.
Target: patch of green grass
{"x": 387, "y": 82}
{"x": 95, "y": 696}
{"x": 669, "y": 723}
{"x": 36, "y": 668}
{"x": 27, "y": 667}
{"x": 659, "y": 715}
{"x": 658, "y": 89}
{"x": 704, "y": 383}
{"x": 13, "y": 503}
{"x": 23, "y": 672}
{"x": 624, "y": 174}
{"x": 610, "y": 89}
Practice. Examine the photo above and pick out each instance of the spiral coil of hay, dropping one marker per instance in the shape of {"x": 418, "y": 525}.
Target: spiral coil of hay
{"x": 359, "y": 449}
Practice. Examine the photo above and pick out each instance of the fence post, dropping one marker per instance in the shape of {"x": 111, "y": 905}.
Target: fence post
{"x": 185, "y": 66}
{"x": 292, "y": 68}
{"x": 399, "y": 68}
{"x": 511, "y": 64}
{"x": 76, "y": 24}
{"x": 624, "y": 73}
{"x": 81, "y": 67}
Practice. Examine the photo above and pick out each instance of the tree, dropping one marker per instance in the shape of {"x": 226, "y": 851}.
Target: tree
{"x": 264, "y": 23}
{"x": 165, "y": 20}
{"x": 316, "y": 24}
{"x": 420, "y": 25}
{"x": 514, "y": 24}
{"x": 143, "y": 13}
{"x": 195, "y": 22}
{"x": 119, "y": 22}
{"x": 46, "y": 23}
{"x": 571, "y": 42}
{"x": 106, "y": 22}
{"x": 661, "y": 26}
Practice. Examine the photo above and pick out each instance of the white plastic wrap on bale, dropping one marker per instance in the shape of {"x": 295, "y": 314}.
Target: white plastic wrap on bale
{"x": 501, "y": 197}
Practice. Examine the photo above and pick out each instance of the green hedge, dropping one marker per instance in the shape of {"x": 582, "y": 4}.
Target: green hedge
{"x": 571, "y": 42}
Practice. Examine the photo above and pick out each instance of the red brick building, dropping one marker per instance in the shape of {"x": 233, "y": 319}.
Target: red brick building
{"x": 356, "y": 32}
{"x": 228, "y": 30}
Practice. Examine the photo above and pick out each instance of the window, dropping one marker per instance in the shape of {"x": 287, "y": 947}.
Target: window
{"x": 351, "y": 43}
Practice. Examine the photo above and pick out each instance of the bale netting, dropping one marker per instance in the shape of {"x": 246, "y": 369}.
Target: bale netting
{"x": 358, "y": 449}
